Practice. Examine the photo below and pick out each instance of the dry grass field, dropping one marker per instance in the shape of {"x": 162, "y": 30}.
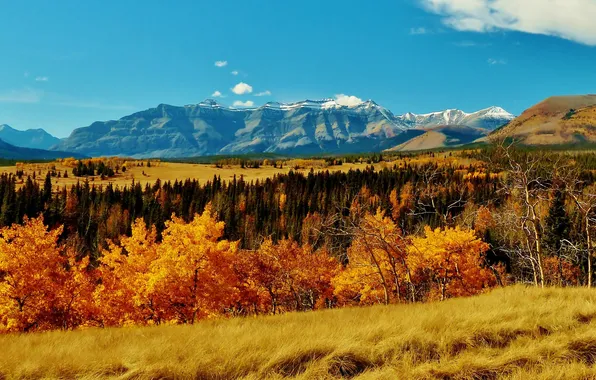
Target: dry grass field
{"x": 511, "y": 333}
{"x": 169, "y": 171}
{"x": 166, "y": 171}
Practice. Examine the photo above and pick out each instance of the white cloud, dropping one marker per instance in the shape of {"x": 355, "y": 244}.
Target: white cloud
{"x": 221, "y": 63}
{"x": 235, "y": 72}
{"x": 569, "y": 19}
{"x": 419, "y": 31}
{"x": 494, "y": 61}
{"x": 26, "y": 95}
{"x": 242, "y": 88}
{"x": 42, "y": 79}
{"x": 248, "y": 103}
{"x": 263, "y": 93}
{"x": 217, "y": 94}
{"x": 348, "y": 100}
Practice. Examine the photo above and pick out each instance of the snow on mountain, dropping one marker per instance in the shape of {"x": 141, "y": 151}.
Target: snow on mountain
{"x": 489, "y": 118}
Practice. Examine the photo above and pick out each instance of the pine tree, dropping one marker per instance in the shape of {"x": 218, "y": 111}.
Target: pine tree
{"x": 47, "y": 188}
{"x": 557, "y": 224}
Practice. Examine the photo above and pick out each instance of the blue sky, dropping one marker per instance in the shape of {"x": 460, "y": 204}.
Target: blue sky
{"x": 65, "y": 64}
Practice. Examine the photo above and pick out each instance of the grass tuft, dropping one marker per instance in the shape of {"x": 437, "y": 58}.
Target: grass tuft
{"x": 348, "y": 365}
{"x": 297, "y": 363}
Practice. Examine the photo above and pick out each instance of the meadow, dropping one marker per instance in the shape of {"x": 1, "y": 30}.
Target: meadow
{"x": 203, "y": 170}
{"x": 515, "y": 332}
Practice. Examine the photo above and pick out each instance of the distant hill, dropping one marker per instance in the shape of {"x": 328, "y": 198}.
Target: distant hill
{"x": 442, "y": 137}
{"x": 31, "y": 138}
{"x": 555, "y": 121}
{"x": 12, "y": 152}
{"x": 306, "y": 127}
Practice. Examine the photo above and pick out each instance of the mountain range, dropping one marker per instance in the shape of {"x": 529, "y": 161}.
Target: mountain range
{"x": 31, "y": 138}
{"x": 12, "y": 152}
{"x": 306, "y": 127}
{"x": 32, "y": 144}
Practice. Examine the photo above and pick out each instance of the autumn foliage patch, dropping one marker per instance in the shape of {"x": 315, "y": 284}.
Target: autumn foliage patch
{"x": 191, "y": 273}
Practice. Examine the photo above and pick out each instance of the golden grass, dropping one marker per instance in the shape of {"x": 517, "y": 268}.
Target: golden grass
{"x": 511, "y": 333}
{"x": 169, "y": 171}
{"x": 166, "y": 171}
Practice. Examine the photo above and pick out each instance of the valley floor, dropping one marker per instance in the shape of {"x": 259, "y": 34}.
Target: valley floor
{"x": 172, "y": 171}
{"x": 512, "y": 333}
{"x": 168, "y": 171}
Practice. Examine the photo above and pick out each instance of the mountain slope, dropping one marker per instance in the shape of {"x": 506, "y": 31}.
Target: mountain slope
{"x": 556, "y": 120}
{"x": 10, "y": 151}
{"x": 208, "y": 128}
{"x": 442, "y": 137}
{"x": 31, "y": 138}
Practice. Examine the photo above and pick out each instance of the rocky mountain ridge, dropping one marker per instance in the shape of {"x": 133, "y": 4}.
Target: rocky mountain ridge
{"x": 306, "y": 127}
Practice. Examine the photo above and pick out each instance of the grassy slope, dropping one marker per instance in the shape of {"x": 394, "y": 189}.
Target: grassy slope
{"x": 515, "y": 332}
{"x": 551, "y": 122}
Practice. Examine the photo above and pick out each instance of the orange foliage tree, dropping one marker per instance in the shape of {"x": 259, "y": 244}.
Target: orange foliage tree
{"x": 41, "y": 287}
{"x": 285, "y": 276}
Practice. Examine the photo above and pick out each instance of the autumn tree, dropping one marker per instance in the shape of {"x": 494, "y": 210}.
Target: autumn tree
{"x": 527, "y": 183}
{"x": 41, "y": 286}
{"x": 185, "y": 277}
{"x": 378, "y": 269}
{"x": 582, "y": 192}
{"x": 125, "y": 270}
{"x": 285, "y": 276}
{"x": 452, "y": 260}
{"x": 193, "y": 274}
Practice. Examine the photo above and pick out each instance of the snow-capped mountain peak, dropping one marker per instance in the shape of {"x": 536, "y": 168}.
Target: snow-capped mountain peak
{"x": 495, "y": 111}
{"x": 488, "y": 118}
{"x": 212, "y": 103}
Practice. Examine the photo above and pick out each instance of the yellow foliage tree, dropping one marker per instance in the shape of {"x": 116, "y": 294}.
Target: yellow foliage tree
{"x": 452, "y": 260}
{"x": 186, "y": 277}
{"x": 124, "y": 269}
{"x": 193, "y": 276}
{"x": 378, "y": 270}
